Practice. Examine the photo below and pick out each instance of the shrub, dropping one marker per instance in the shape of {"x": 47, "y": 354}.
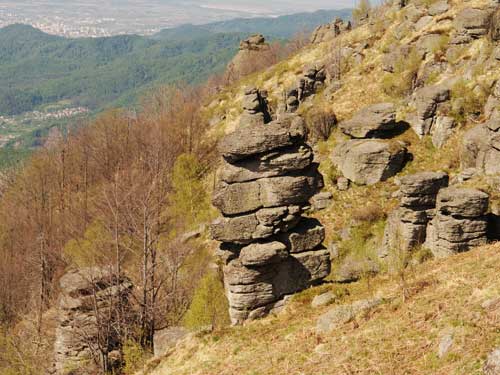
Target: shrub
{"x": 134, "y": 357}
{"x": 369, "y": 213}
{"x": 189, "y": 200}
{"x": 466, "y": 102}
{"x": 401, "y": 82}
{"x": 209, "y": 306}
{"x": 321, "y": 123}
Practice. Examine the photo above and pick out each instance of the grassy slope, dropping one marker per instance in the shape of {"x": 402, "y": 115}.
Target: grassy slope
{"x": 395, "y": 338}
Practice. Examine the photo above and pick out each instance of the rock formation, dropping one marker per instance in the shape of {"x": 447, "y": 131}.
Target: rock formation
{"x": 481, "y": 146}
{"x": 252, "y": 51}
{"x": 374, "y": 121}
{"x": 327, "y": 32}
{"x": 308, "y": 84}
{"x": 470, "y": 24}
{"x": 86, "y": 319}
{"x": 269, "y": 250}
{"x": 461, "y": 221}
{"x": 492, "y": 365}
{"x": 426, "y": 102}
{"x": 368, "y": 161}
{"x": 255, "y": 107}
{"x": 406, "y": 227}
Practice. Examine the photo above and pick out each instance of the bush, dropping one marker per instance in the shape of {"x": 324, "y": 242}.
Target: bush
{"x": 401, "y": 82}
{"x": 189, "y": 201}
{"x": 321, "y": 123}
{"x": 209, "y": 306}
{"x": 134, "y": 356}
{"x": 466, "y": 102}
{"x": 369, "y": 213}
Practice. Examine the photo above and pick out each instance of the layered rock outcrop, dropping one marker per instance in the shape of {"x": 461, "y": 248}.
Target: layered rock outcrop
{"x": 88, "y": 313}
{"x": 481, "y": 146}
{"x": 255, "y": 107}
{"x": 461, "y": 221}
{"x": 364, "y": 159}
{"x": 406, "y": 227}
{"x": 470, "y": 24}
{"x": 312, "y": 80}
{"x": 327, "y": 32}
{"x": 268, "y": 249}
{"x": 427, "y": 101}
{"x": 252, "y": 51}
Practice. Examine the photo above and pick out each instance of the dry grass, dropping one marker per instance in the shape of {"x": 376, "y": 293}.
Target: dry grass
{"x": 396, "y": 338}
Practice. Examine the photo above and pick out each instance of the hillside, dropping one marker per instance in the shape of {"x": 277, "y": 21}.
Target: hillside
{"x": 335, "y": 213}
{"x": 445, "y": 297}
{"x": 401, "y": 59}
{"x": 38, "y": 69}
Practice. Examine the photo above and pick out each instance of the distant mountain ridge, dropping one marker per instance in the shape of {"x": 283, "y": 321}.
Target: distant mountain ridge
{"x": 281, "y": 27}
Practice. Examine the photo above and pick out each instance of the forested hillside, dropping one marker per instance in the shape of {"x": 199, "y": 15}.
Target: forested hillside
{"x": 37, "y": 69}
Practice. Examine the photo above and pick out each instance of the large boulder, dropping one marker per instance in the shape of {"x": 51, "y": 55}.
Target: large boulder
{"x": 259, "y": 138}
{"x": 269, "y": 164}
{"x": 481, "y": 146}
{"x": 371, "y": 122}
{"x": 461, "y": 221}
{"x": 406, "y": 227}
{"x": 241, "y": 198}
{"x": 367, "y": 162}
{"x": 472, "y": 23}
{"x": 426, "y": 102}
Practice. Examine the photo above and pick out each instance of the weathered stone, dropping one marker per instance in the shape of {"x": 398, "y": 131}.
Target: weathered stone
{"x": 329, "y": 31}
{"x": 492, "y": 364}
{"x": 259, "y": 254}
{"x": 495, "y": 26}
{"x": 257, "y": 139}
{"x": 442, "y": 130}
{"x": 429, "y": 44}
{"x": 367, "y": 162}
{"x": 460, "y": 223}
{"x": 321, "y": 201}
{"x": 353, "y": 269}
{"x": 240, "y": 198}
{"x": 445, "y": 345}
{"x": 255, "y": 226}
{"x": 426, "y": 101}
{"x": 323, "y": 299}
{"x": 308, "y": 235}
{"x": 466, "y": 203}
{"x": 439, "y": 7}
{"x": 342, "y": 184}
{"x": 424, "y": 183}
{"x": 78, "y": 332}
{"x": 272, "y": 164}
{"x": 473, "y": 22}
{"x": 371, "y": 122}
{"x": 344, "y": 314}
{"x": 406, "y": 227}
{"x": 167, "y": 339}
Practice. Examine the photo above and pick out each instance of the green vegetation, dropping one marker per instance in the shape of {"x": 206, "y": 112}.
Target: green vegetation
{"x": 36, "y": 68}
{"x": 209, "y": 306}
{"x": 281, "y": 27}
{"x": 189, "y": 199}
